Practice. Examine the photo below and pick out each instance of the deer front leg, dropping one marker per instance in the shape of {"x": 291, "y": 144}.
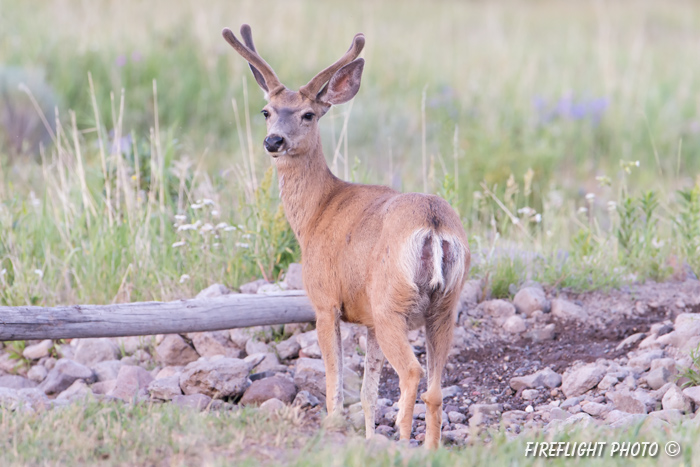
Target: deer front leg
{"x": 374, "y": 360}
{"x": 328, "y": 329}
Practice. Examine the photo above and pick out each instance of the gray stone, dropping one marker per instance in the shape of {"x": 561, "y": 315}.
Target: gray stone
{"x": 543, "y": 378}
{"x": 310, "y": 375}
{"x": 672, "y": 416}
{"x": 530, "y": 394}
{"x": 627, "y": 401}
{"x": 471, "y": 293}
{"x": 107, "y": 370}
{"x": 208, "y": 344}
{"x": 542, "y": 334}
{"x": 514, "y": 325}
{"x": 272, "y": 405}
{"x": 104, "y": 387}
{"x": 131, "y": 382}
{"x": 92, "y": 351}
{"x": 252, "y": 287}
{"x": 531, "y": 299}
{"x": 630, "y": 340}
{"x": 239, "y": 337}
{"x": 577, "y": 382}
{"x": 63, "y": 374}
{"x": 308, "y": 341}
{"x": 165, "y": 388}
{"x": 288, "y": 348}
{"x": 37, "y": 373}
{"x": 565, "y": 309}
{"x": 169, "y": 371}
{"x": 304, "y": 399}
{"x": 642, "y": 362}
{"x": 7, "y": 364}
{"x": 693, "y": 393}
{"x": 130, "y": 344}
{"x": 216, "y": 377}
{"x": 268, "y": 388}
{"x": 608, "y": 382}
{"x": 16, "y": 382}
{"x": 595, "y": 409}
{"x": 37, "y": 351}
{"x": 658, "y": 377}
{"x": 456, "y": 417}
{"x": 267, "y": 362}
{"x": 173, "y": 350}
{"x": 500, "y": 310}
{"x": 213, "y": 291}
{"x": 451, "y": 391}
{"x": 675, "y": 399}
{"x": 192, "y": 401}
{"x": 293, "y": 277}
{"x": 77, "y": 390}
{"x": 254, "y": 346}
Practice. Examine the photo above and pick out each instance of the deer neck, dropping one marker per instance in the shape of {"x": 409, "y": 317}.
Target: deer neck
{"x": 305, "y": 183}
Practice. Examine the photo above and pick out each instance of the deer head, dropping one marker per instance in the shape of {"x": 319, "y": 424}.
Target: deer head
{"x": 292, "y": 117}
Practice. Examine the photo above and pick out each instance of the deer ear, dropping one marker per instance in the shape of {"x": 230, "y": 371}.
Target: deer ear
{"x": 343, "y": 85}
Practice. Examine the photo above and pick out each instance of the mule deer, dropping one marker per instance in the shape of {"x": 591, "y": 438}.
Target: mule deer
{"x": 389, "y": 261}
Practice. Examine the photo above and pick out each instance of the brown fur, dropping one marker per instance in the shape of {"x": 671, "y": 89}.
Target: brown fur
{"x": 371, "y": 255}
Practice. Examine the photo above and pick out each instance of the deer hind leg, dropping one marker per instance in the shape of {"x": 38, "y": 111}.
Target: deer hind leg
{"x": 439, "y": 328}
{"x": 374, "y": 361}
{"x": 391, "y": 332}
{"x": 329, "y": 340}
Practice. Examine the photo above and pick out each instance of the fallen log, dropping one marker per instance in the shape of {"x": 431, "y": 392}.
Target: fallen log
{"x": 147, "y": 318}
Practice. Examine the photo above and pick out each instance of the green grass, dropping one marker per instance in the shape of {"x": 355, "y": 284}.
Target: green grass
{"x": 115, "y": 434}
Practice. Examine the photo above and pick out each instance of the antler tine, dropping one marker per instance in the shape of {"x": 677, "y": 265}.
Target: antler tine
{"x": 256, "y": 61}
{"x": 311, "y": 89}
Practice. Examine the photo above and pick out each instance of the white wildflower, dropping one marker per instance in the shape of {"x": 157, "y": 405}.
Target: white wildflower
{"x": 590, "y": 197}
{"x": 636, "y": 163}
{"x": 242, "y": 245}
{"x": 215, "y": 213}
{"x": 197, "y": 206}
{"x": 180, "y": 217}
{"x": 516, "y": 221}
{"x": 241, "y": 226}
{"x": 179, "y": 244}
{"x": 34, "y": 200}
{"x": 184, "y": 277}
{"x": 538, "y": 218}
{"x": 612, "y": 205}
{"x": 207, "y": 202}
{"x": 229, "y": 229}
{"x": 39, "y": 273}
{"x": 206, "y": 228}
{"x": 221, "y": 225}
{"x": 245, "y": 236}
{"x": 527, "y": 210}
{"x": 582, "y": 210}
{"x": 186, "y": 227}
{"x": 656, "y": 243}
{"x": 3, "y": 272}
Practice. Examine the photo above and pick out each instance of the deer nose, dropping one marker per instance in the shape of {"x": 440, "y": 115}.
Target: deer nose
{"x": 273, "y": 143}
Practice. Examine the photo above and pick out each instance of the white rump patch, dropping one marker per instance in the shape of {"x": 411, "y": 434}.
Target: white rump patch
{"x": 454, "y": 259}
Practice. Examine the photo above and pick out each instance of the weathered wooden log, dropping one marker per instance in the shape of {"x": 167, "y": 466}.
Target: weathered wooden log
{"x": 145, "y": 318}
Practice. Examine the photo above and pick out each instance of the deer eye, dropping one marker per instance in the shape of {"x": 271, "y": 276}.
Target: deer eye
{"x": 308, "y": 116}
{"x": 265, "y": 113}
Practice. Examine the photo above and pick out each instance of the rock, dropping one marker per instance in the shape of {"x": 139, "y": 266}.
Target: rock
{"x": 543, "y": 378}
{"x": 208, "y": 344}
{"x": 484, "y": 414}
{"x": 130, "y": 382}
{"x": 384, "y": 430}
{"x": 104, "y": 387}
{"x": 304, "y": 399}
{"x": 107, "y": 370}
{"x": 687, "y": 325}
{"x": 577, "y": 382}
{"x": 272, "y": 288}
{"x": 7, "y": 364}
{"x": 77, "y": 390}
{"x": 565, "y": 309}
{"x": 693, "y": 393}
{"x": 169, "y": 371}
{"x": 675, "y": 399}
{"x": 672, "y": 416}
{"x": 419, "y": 411}
{"x": 627, "y": 401}
{"x": 630, "y": 340}
{"x": 165, "y": 388}
{"x": 595, "y": 409}
{"x": 268, "y": 362}
{"x": 642, "y": 362}
{"x": 192, "y": 401}
{"x": 530, "y": 299}
{"x": 16, "y": 382}
{"x": 658, "y": 377}
{"x": 37, "y": 351}
{"x": 63, "y": 374}
{"x": 543, "y": 334}
{"x": 9, "y": 398}
{"x": 213, "y": 291}
{"x": 216, "y": 377}
{"x": 252, "y": 287}
{"x": 239, "y": 337}
{"x": 173, "y": 350}
{"x": 529, "y": 394}
{"x": 254, "y": 346}
{"x": 310, "y": 375}
{"x": 91, "y": 351}
{"x": 130, "y": 344}
{"x": 471, "y": 294}
{"x": 451, "y": 391}
{"x": 514, "y": 325}
{"x": 37, "y": 373}
{"x": 500, "y": 310}
{"x": 293, "y": 277}
{"x": 456, "y": 417}
{"x": 608, "y": 382}
{"x": 629, "y": 420}
{"x": 268, "y": 388}
{"x": 288, "y": 348}
{"x": 308, "y": 343}
{"x": 272, "y": 405}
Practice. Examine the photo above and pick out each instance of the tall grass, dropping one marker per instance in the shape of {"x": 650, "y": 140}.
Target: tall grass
{"x": 564, "y": 134}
